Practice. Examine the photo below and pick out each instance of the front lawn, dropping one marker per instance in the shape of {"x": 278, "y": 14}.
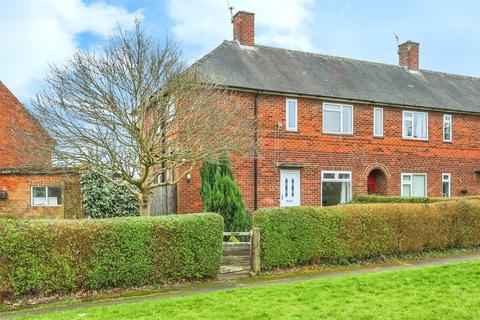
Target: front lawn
{"x": 440, "y": 292}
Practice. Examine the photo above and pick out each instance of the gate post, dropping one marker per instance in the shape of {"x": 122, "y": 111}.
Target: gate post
{"x": 256, "y": 250}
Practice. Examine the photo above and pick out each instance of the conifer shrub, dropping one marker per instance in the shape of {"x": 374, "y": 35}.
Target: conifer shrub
{"x": 302, "y": 235}
{"x": 221, "y": 194}
{"x": 43, "y": 257}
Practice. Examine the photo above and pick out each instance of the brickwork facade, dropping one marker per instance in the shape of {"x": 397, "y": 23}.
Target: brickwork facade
{"x": 361, "y": 153}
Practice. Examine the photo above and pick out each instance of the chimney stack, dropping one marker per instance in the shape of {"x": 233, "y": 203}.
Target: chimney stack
{"x": 244, "y": 28}
{"x": 408, "y": 55}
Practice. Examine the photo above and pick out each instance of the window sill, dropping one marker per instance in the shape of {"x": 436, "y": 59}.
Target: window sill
{"x": 338, "y": 134}
{"x": 414, "y": 139}
{"x": 378, "y": 137}
{"x": 48, "y": 206}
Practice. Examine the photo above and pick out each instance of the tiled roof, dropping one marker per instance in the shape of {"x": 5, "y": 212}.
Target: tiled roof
{"x": 294, "y": 72}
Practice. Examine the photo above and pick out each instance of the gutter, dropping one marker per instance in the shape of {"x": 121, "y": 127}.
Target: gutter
{"x": 255, "y": 160}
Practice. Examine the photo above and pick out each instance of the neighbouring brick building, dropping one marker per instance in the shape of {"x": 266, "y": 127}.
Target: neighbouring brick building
{"x": 330, "y": 127}
{"x": 29, "y": 186}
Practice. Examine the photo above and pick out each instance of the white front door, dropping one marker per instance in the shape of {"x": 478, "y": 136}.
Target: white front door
{"x": 289, "y": 188}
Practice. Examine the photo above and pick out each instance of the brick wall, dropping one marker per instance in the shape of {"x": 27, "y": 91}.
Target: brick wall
{"x": 18, "y": 188}
{"x": 188, "y": 190}
{"x": 18, "y": 148}
{"x": 359, "y": 153}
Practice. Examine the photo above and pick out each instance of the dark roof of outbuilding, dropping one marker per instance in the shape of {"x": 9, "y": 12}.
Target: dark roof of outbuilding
{"x": 38, "y": 171}
{"x": 302, "y": 73}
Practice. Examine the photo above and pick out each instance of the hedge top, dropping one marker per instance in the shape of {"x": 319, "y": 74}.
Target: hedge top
{"x": 397, "y": 199}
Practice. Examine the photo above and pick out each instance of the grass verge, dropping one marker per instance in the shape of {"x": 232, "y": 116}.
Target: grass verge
{"x": 439, "y": 292}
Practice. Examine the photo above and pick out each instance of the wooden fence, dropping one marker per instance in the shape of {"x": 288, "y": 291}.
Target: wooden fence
{"x": 164, "y": 200}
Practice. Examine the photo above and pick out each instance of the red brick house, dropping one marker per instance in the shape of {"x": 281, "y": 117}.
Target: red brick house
{"x": 330, "y": 127}
{"x": 29, "y": 186}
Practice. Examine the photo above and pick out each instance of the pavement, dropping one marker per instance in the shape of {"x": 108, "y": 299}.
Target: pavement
{"x": 261, "y": 281}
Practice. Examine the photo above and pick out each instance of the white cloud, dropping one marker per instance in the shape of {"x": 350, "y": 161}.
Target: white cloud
{"x": 202, "y": 25}
{"x": 34, "y": 33}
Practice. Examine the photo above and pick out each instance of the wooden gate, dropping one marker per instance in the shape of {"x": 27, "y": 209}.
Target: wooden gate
{"x": 240, "y": 259}
{"x": 164, "y": 200}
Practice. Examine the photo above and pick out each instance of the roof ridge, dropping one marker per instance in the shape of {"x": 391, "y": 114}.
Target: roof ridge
{"x": 355, "y": 60}
{"x": 318, "y": 54}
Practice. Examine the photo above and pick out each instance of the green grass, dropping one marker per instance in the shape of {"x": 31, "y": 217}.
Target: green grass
{"x": 442, "y": 292}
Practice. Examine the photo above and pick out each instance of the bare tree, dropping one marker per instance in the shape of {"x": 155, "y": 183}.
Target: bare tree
{"x": 135, "y": 109}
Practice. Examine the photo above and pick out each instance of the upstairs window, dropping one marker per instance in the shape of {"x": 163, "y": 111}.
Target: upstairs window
{"x": 170, "y": 110}
{"x": 46, "y": 196}
{"x": 291, "y": 112}
{"x": 378, "y": 122}
{"x": 337, "y": 118}
{"x": 447, "y": 127}
{"x": 415, "y": 125}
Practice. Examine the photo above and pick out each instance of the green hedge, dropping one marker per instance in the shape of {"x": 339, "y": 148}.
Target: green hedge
{"x": 42, "y": 257}
{"x": 303, "y": 235}
{"x": 398, "y": 199}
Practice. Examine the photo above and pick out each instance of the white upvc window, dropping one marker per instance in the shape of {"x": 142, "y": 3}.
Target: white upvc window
{"x": 446, "y": 185}
{"x": 171, "y": 110}
{"x": 46, "y": 196}
{"x": 337, "y": 118}
{"x": 447, "y": 128}
{"x": 415, "y": 125}
{"x": 414, "y": 185}
{"x": 378, "y": 122}
{"x": 336, "y": 187}
{"x": 291, "y": 115}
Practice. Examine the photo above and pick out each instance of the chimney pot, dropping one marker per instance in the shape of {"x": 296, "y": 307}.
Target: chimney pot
{"x": 244, "y": 28}
{"x": 408, "y": 55}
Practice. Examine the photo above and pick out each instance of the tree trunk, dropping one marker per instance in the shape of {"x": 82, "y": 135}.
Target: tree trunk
{"x": 144, "y": 200}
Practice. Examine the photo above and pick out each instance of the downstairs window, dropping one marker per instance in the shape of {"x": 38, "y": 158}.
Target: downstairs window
{"x": 414, "y": 185}
{"x": 46, "y": 196}
{"x": 336, "y": 187}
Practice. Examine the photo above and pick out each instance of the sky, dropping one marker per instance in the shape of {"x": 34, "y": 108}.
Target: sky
{"x": 37, "y": 33}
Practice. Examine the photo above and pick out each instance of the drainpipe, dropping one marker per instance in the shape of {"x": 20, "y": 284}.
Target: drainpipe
{"x": 255, "y": 160}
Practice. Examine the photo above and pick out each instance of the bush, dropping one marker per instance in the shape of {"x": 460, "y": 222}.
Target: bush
{"x": 103, "y": 199}
{"x": 398, "y": 199}
{"x": 302, "y": 235}
{"x": 393, "y": 199}
{"x": 43, "y": 257}
{"x": 221, "y": 194}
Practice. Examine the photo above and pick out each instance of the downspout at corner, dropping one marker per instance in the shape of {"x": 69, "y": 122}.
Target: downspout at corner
{"x": 255, "y": 160}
